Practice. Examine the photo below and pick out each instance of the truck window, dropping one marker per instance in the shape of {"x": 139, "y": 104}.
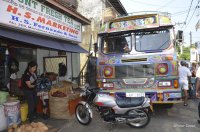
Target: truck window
{"x": 152, "y": 40}
{"x": 117, "y": 44}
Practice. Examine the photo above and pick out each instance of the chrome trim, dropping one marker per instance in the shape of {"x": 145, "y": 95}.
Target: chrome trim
{"x": 135, "y": 80}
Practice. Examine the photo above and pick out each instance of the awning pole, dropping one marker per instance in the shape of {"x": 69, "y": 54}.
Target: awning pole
{"x": 71, "y": 67}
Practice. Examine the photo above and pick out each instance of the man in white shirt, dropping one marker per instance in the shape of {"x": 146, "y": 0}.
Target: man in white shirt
{"x": 184, "y": 76}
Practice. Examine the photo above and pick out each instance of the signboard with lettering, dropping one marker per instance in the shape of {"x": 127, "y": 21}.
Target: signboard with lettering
{"x": 135, "y": 23}
{"x": 30, "y": 15}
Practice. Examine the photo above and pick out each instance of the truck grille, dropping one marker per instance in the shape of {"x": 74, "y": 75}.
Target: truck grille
{"x": 133, "y": 71}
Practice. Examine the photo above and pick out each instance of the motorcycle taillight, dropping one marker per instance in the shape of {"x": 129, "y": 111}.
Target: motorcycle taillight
{"x": 99, "y": 103}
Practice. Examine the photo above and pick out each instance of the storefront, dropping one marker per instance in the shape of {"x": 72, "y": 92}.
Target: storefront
{"x": 30, "y": 30}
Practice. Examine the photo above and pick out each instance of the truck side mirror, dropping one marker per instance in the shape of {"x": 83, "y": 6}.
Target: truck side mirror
{"x": 179, "y": 36}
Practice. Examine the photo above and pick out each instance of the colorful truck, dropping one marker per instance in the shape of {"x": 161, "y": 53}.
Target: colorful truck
{"x": 137, "y": 57}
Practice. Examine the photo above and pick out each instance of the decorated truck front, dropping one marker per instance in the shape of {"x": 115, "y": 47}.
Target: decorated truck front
{"x": 136, "y": 57}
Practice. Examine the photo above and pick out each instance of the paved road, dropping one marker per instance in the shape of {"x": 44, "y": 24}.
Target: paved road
{"x": 177, "y": 119}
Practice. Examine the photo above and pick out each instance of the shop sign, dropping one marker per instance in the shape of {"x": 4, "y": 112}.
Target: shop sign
{"x": 31, "y": 15}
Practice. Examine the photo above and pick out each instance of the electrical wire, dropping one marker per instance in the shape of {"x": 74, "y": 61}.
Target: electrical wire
{"x": 163, "y": 6}
{"x": 192, "y": 15}
{"x": 144, "y": 3}
{"x": 180, "y": 13}
{"x": 149, "y": 4}
{"x": 188, "y": 11}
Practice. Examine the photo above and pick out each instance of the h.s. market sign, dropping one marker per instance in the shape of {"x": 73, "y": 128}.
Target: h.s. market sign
{"x": 33, "y": 16}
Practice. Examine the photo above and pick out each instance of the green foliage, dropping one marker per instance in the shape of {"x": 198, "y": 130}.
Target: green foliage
{"x": 185, "y": 55}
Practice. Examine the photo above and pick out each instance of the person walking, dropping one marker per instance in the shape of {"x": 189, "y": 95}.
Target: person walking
{"x": 28, "y": 85}
{"x": 192, "y": 89}
{"x": 198, "y": 96}
{"x": 198, "y": 88}
{"x": 184, "y": 78}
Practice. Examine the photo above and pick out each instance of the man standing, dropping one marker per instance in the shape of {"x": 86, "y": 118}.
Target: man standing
{"x": 198, "y": 88}
{"x": 184, "y": 76}
{"x": 198, "y": 96}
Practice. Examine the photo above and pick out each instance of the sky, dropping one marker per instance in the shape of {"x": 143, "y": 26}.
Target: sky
{"x": 180, "y": 10}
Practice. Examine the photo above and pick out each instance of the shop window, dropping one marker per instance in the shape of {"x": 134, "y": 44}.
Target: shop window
{"x": 51, "y": 64}
{"x": 23, "y": 56}
{"x": 61, "y": 53}
{"x": 2, "y": 56}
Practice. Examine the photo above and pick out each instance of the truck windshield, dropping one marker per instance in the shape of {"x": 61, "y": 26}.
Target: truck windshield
{"x": 143, "y": 41}
{"x": 152, "y": 40}
{"x": 117, "y": 44}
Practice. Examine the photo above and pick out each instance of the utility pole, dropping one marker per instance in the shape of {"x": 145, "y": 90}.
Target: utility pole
{"x": 181, "y": 48}
{"x": 190, "y": 38}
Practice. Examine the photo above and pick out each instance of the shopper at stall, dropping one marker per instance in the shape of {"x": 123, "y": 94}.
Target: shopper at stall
{"x": 43, "y": 86}
{"x": 28, "y": 84}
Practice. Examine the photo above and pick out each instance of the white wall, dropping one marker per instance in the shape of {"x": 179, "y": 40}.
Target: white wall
{"x": 69, "y": 65}
{"x": 73, "y": 67}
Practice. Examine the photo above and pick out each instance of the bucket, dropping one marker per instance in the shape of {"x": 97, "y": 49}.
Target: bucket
{"x": 3, "y": 120}
{"x": 12, "y": 112}
{"x": 24, "y": 111}
{"x": 3, "y": 97}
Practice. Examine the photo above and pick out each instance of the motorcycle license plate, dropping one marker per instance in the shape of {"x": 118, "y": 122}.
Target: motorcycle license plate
{"x": 135, "y": 94}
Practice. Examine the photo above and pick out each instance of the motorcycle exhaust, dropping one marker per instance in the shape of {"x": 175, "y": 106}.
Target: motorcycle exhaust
{"x": 127, "y": 120}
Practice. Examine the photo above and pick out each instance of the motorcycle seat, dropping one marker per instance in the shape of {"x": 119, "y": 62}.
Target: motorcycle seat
{"x": 129, "y": 102}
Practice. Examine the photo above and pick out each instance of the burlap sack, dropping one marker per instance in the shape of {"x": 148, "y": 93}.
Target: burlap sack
{"x": 63, "y": 86}
{"x": 59, "y": 107}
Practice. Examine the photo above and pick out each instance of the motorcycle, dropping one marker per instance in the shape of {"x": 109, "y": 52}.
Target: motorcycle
{"x": 133, "y": 111}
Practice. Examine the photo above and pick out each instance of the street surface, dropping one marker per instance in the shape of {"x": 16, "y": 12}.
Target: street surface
{"x": 177, "y": 119}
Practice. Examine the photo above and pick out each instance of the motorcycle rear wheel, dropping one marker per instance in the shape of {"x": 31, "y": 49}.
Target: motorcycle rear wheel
{"x": 142, "y": 116}
{"x": 82, "y": 114}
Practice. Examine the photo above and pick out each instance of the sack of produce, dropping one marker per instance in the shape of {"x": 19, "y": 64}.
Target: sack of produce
{"x": 59, "y": 106}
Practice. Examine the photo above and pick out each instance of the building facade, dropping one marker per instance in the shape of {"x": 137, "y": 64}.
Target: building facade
{"x": 98, "y": 11}
{"x": 46, "y": 31}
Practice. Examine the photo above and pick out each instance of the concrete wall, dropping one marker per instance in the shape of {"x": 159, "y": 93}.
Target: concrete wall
{"x": 92, "y": 9}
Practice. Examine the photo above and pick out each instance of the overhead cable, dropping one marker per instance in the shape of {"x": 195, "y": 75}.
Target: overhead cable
{"x": 169, "y": 2}
{"x": 192, "y": 15}
{"x": 188, "y": 11}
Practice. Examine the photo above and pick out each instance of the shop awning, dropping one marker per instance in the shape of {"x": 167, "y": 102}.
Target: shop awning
{"x": 42, "y": 41}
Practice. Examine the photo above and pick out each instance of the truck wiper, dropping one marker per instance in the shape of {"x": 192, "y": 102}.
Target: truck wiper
{"x": 163, "y": 44}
